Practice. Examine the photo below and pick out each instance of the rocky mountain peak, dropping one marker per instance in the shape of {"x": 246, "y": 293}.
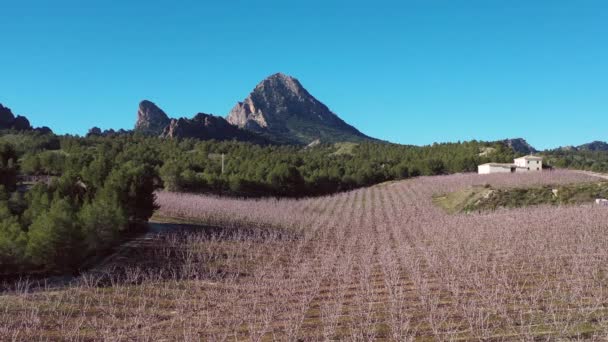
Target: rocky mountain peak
{"x": 151, "y": 119}
{"x": 283, "y": 84}
{"x": 280, "y": 107}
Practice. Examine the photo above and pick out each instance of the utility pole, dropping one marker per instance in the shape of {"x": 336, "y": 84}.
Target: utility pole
{"x": 222, "y": 163}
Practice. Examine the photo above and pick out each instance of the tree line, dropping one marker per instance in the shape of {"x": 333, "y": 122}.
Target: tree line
{"x": 596, "y": 161}
{"x": 264, "y": 170}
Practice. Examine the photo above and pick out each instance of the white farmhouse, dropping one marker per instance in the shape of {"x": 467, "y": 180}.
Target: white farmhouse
{"x": 488, "y": 168}
{"x": 523, "y": 164}
{"x": 532, "y": 163}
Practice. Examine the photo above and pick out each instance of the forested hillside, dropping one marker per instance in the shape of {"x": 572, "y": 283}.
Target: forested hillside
{"x": 249, "y": 169}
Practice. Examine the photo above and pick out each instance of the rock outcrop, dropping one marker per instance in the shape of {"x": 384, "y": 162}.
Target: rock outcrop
{"x": 520, "y": 145}
{"x": 206, "y": 127}
{"x": 279, "y": 107}
{"x": 9, "y": 121}
{"x": 151, "y": 119}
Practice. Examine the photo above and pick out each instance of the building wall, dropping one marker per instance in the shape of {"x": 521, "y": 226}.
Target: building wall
{"x": 532, "y": 164}
{"x": 487, "y": 169}
{"x": 483, "y": 169}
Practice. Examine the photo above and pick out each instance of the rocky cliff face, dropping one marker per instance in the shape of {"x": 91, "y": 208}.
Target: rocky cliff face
{"x": 205, "y": 127}
{"x": 280, "y": 108}
{"x": 151, "y": 119}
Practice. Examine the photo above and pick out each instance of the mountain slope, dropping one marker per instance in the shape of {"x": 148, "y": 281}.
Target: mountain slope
{"x": 280, "y": 108}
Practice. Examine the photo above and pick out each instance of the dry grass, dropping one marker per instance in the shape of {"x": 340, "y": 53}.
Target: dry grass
{"x": 381, "y": 263}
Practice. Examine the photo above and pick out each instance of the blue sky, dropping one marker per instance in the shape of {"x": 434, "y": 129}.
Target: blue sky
{"x": 413, "y": 72}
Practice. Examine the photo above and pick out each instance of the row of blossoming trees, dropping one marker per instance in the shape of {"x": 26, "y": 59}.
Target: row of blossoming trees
{"x": 381, "y": 263}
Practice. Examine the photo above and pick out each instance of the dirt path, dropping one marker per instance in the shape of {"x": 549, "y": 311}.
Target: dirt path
{"x": 595, "y": 174}
{"x": 154, "y": 229}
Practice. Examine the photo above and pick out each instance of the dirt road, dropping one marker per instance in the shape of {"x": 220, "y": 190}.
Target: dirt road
{"x": 595, "y": 174}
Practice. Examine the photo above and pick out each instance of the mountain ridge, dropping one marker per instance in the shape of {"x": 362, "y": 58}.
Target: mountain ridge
{"x": 207, "y": 126}
{"x": 152, "y": 120}
{"x": 594, "y": 146}
{"x": 279, "y": 110}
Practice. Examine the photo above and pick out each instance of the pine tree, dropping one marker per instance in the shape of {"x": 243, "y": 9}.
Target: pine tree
{"x": 55, "y": 239}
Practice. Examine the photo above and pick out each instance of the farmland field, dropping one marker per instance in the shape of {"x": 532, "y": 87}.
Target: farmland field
{"x": 380, "y": 263}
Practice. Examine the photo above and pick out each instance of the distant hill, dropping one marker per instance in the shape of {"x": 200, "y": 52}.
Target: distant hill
{"x": 519, "y": 145}
{"x": 593, "y": 146}
{"x": 280, "y": 108}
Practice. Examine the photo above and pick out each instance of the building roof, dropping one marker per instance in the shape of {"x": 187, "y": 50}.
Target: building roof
{"x": 530, "y": 157}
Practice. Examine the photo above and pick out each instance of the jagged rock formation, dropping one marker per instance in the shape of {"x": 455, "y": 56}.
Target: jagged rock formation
{"x": 280, "y": 108}
{"x": 205, "y": 127}
{"x": 520, "y": 145}
{"x": 151, "y": 119}
{"x": 19, "y": 123}
{"x": 9, "y": 121}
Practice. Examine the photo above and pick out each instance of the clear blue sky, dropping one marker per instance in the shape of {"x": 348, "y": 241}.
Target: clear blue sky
{"x": 406, "y": 71}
